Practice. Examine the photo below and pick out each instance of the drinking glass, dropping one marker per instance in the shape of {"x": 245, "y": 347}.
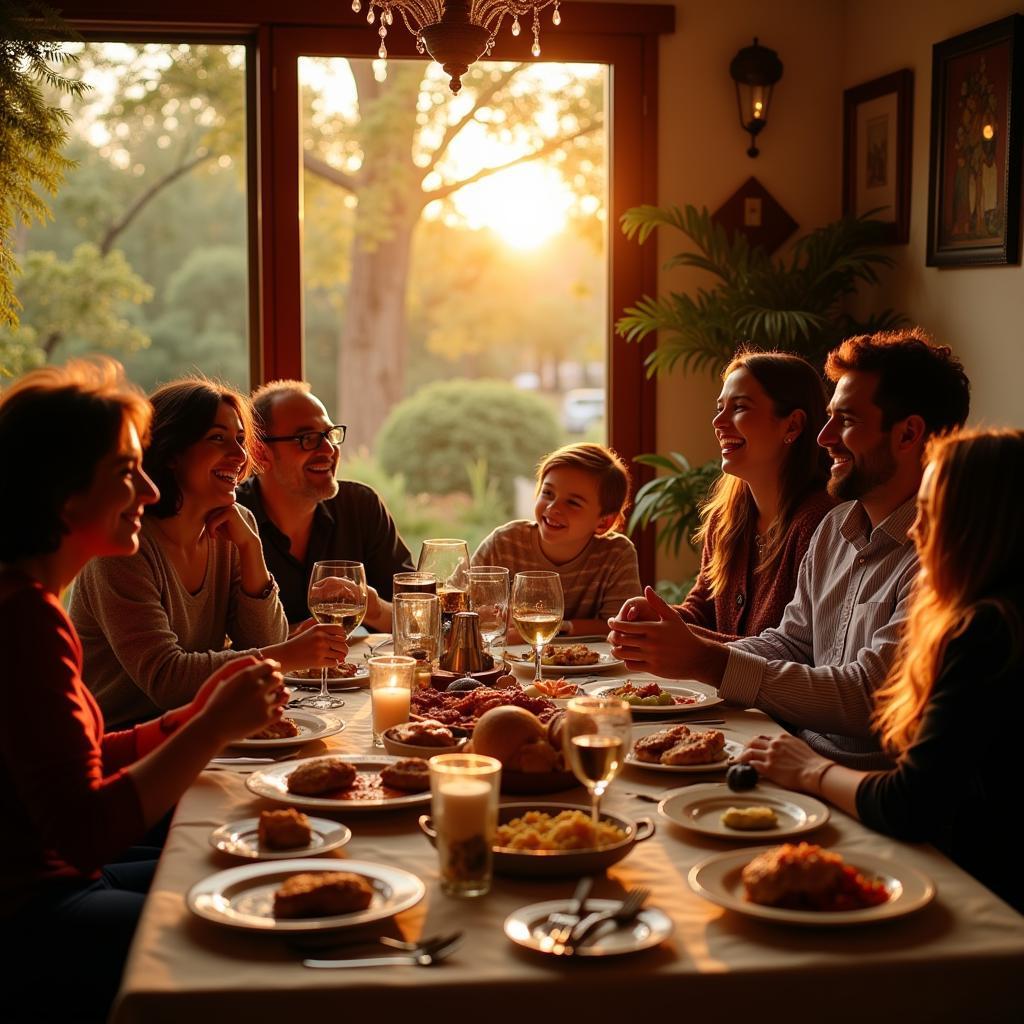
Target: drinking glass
{"x": 488, "y": 597}
{"x": 537, "y": 606}
{"x": 417, "y": 626}
{"x": 595, "y": 737}
{"x": 414, "y": 583}
{"x": 464, "y": 805}
{"x": 337, "y": 594}
{"x": 391, "y": 679}
{"x": 448, "y": 559}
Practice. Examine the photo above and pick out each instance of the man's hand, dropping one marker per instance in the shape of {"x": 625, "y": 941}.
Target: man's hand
{"x": 655, "y": 639}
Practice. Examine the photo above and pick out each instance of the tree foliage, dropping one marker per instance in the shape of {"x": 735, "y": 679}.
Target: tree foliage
{"x": 794, "y": 304}
{"x": 33, "y": 132}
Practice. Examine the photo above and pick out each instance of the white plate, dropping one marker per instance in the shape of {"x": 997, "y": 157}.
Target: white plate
{"x": 524, "y": 656}
{"x": 704, "y": 697}
{"x": 241, "y": 839}
{"x": 312, "y": 726}
{"x": 732, "y": 749}
{"x": 651, "y": 928}
{"x": 700, "y": 808}
{"x": 243, "y": 897}
{"x": 356, "y": 681}
{"x": 718, "y": 879}
{"x": 272, "y": 783}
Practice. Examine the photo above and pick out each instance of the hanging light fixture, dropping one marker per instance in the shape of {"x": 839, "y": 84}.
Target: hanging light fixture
{"x": 456, "y": 32}
{"x": 755, "y": 70}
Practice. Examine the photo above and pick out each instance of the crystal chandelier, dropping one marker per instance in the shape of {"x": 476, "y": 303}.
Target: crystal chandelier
{"x": 457, "y": 32}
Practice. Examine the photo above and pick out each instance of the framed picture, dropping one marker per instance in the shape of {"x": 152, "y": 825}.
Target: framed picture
{"x": 974, "y": 181}
{"x": 877, "y": 145}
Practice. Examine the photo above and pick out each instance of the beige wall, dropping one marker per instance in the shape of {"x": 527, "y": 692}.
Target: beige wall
{"x": 826, "y": 46}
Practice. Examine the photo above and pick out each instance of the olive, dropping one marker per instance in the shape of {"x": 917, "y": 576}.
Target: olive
{"x": 741, "y": 776}
{"x": 463, "y": 684}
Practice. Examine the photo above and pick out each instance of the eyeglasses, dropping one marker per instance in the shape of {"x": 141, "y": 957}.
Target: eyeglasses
{"x": 310, "y": 440}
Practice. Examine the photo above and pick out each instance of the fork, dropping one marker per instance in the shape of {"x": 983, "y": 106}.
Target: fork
{"x": 560, "y": 925}
{"x": 628, "y": 910}
{"x": 424, "y": 955}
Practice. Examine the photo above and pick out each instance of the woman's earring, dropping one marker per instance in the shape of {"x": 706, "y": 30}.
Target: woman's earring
{"x": 787, "y": 440}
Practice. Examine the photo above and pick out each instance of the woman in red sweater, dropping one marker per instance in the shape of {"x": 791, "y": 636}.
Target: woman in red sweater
{"x": 74, "y": 798}
{"x": 763, "y": 510}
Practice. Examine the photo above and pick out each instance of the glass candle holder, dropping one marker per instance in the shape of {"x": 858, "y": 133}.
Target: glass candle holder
{"x": 391, "y": 682}
{"x": 417, "y": 626}
{"x": 464, "y": 805}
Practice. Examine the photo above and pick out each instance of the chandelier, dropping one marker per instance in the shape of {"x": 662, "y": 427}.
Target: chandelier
{"x": 457, "y": 32}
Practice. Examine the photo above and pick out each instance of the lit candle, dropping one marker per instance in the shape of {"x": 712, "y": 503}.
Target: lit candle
{"x": 465, "y": 809}
{"x": 390, "y": 706}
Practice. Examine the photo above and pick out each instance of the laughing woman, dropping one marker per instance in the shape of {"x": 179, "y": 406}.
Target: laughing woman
{"x": 960, "y": 668}
{"x": 198, "y": 594}
{"x": 74, "y": 798}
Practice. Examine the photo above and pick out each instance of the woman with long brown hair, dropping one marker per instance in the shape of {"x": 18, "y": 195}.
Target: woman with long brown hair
{"x": 763, "y": 510}
{"x": 959, "y": 672}
{"x": 198, "y": 594}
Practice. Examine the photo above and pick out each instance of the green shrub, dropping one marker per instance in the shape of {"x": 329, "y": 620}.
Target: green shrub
{"x": 432, "y": 437}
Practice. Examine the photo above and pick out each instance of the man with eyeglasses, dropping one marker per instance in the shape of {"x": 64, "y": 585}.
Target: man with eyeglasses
{"x": 305, "y": 515}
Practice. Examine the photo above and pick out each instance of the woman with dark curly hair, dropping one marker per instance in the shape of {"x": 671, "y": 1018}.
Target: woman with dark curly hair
{"x": 198, "y": 594}
{"x": 73, "y": 797}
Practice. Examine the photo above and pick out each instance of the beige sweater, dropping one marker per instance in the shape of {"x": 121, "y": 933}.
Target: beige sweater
{"x": 148, "y": 642}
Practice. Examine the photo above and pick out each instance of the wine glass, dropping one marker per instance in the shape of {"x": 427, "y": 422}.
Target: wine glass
{"x": 537, "y": 606}
{"x": 488, "y": 597}
{"x": 595, "y": 735}
{"x": 337, "y": 594}
{"x": 448, "y": 559}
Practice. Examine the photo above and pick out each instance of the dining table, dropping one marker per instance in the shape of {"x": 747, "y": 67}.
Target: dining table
{"x": 958, "y": 958}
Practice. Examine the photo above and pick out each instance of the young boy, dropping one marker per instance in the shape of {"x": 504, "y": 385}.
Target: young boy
{"x": 582, "y": 493}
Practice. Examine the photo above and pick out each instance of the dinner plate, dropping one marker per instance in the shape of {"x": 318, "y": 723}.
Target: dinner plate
{"x": 356, "y": 681}
{"x": 272, "y": 783}
{"x": 732, "y": 749}
{"x": 244, "y": 897}
{"x": 311, "y": 726}
{"x": 703, "y": 697}
{"x": 241, "y": 839}
{"x": 718, "y": 879}
{"x": 650, "y": 928}
{"x": 524, "y": 656}
{"x": 700, "y": 809}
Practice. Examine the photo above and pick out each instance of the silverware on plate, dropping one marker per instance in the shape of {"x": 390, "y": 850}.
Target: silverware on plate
{"x": 559, "y": 925}
{"x": 627, "y": 911}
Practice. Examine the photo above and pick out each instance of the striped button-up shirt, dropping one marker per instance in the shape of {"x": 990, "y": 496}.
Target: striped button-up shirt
{"x": 818, "y": 670}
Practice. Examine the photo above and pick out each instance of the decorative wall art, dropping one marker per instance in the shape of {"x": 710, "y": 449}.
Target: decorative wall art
{"x": 753, "y": 211}
{"x": 974, "y": 183}
{"x": 877, "y": 145}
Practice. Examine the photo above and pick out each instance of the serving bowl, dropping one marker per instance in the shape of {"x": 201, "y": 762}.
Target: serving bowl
{"x": 558, "y": 863}
{"x": 400, "y": 749}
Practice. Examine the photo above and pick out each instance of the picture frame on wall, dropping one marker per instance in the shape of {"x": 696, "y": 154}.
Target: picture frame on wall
{"x": 974, "y": 180}
{"x": 878, "y": 135}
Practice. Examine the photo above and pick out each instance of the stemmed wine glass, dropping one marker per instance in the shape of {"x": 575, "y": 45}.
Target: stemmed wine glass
{"x": 537, "y": 606}
{"x": 488, "y": 597}
{"x": 337, "y": 594}
{"x": 448, "y": 559}
{"x": 597, "y": 730}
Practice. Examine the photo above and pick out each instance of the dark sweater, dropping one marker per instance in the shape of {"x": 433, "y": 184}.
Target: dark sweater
{"x": 960, "y": 779}
{"x": 751, "y": 602}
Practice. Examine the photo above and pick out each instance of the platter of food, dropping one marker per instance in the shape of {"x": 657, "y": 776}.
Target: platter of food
{"x": 279, "y": 835}
{"x": 367, "y": 782}
{"x": 763, "y": 811}
{"x": 804, "y": 884}
{"x": 346, "y": 676}
{"x": 304, "y": 895}
{"x": 565, "y": 659}
{"x": 295, "y": 727}
{"x": 463, "y": 709}
{"x": 648, "y": 698}
{"x": 680, "y": 749}
{"x": 527, "y": 927}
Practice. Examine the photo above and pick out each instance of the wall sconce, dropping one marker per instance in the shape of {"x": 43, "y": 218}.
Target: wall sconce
{"x": 755, "y": 70}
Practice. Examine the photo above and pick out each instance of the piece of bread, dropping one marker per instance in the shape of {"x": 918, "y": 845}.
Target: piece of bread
{"x": 749, "y": 819}
{"x": 321, "y": 776}
{"x": 322, "y": 894}
{"x": 284, "y": 830}
{"x": 411, "y": 774}
{"x": 283, "y": 728}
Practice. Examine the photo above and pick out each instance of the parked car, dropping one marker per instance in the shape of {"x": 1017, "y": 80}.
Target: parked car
{"x": 582, "y": 408}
